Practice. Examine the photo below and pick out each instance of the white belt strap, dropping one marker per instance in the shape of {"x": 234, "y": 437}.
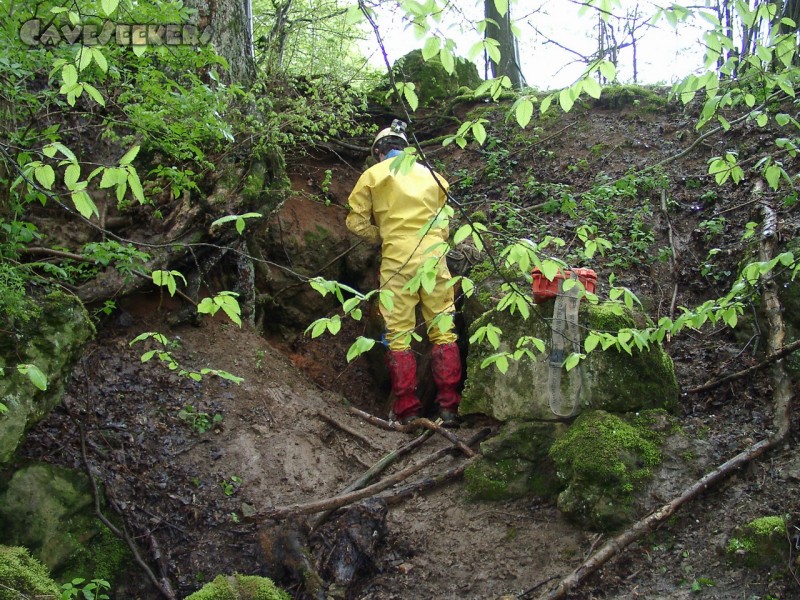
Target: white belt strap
{"x": 566, "y": 338}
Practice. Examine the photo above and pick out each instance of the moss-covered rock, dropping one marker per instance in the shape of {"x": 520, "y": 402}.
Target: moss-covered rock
{"x": 432, "y": 82}
{"x": 610, "y": 380}
{"x": 50, "y": 510}
{"x": 22, "y": 576}
{"x": 762, "y": 542}
{"x": 515, "y": 463}
{"x": 52, "y": 342}
{"x": 645, "y": 99}
{"x": 240, "y": 587}
{"x": 603, "y": 460}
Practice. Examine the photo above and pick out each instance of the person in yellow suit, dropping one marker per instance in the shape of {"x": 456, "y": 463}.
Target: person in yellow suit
{"x": 396, "y": 210}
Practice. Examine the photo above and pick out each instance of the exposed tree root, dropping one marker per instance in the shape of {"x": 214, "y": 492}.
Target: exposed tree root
{"x": 782, "y": 395}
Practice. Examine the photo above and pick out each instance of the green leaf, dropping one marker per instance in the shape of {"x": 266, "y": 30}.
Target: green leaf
{"x": 524, "y": 112}
{"x": 109, "y": 6}
{"x": 548, "y": 100}
{"x": 334, "y": 324}
{"x": 35, "y": 375}
{"x": 501, "y": 6}
{"x": 51, "y": 149}
{"x": 773, "y": 176}
{"x": 549, "y": 269}
{"x": 128, "y": 157}
{"x": 566, "y": 100}
{"x": 448, "y": 60}
{"x": 492, "y": 49}
{"x": 592, "y": 87}
{"x": 230, "y": 306}
{"x": 135, "y": 185}
{"x": 479, "y": 131}
{"x": 411, "y": 97}
{"x": 46, "y": 176}
{"x": 572, "y": 361}
{"x": 359, "y": 347}
{"x": 467, "y": 286}
{"x": 84, "y": 58}
{"x": 431, "y": 48}
{"x": 591, "y": 341}
{"x": 782, "y": 119}
{"x": 94, "y": 93}
{"x": 69, "y": 75}
{"x": 84, "y": 204}
{"x": 608, "y": 70}
{"x": 71, "y": 175}
{"x": 166, "y": 279}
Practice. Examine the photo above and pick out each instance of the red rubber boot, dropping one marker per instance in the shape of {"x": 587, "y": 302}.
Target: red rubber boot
{"x": 446, "y": 368}
{"x": 402, "y": 367}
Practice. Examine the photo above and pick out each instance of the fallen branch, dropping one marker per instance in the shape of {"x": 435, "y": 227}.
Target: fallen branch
{"x": 349, "y": 498}
{"x": 783, "y": 395}
{"x": 779, "y": 354}
{"x": 415, "y": 424}
{"x": 347, "y": 429}
{"x": 378, "y": 467}
{"x": 163, "y": 585}
{"x": 429, "y": 483}
{"x": 673, "y": 261}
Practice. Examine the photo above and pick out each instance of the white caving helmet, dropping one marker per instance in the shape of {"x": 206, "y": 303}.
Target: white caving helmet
{"x": 396, "y": 130}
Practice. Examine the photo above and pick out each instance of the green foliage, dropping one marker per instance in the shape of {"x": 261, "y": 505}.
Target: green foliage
{"x": 164, "y": 354}
{"x": 199, "y": 421}
{"x": 15, "y": 306}
{"x": 87, "y": 590}
{"x": 230, "y": 485}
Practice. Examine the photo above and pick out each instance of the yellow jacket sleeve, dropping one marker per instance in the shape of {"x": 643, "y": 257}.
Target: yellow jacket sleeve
{"x": 359, "y": 220}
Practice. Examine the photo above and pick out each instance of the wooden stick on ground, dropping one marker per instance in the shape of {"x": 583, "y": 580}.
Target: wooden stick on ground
{"x": 348, "y": 498}
{"x": 710, "y": 385}
{"x": 163, "y": 585}
{"x": 348, "y": 430}
{"x": 415, "y": 424}
{"x": 378, "y": 467}
{"x": 783, "y": 395}
{"x": 434, "y": 481}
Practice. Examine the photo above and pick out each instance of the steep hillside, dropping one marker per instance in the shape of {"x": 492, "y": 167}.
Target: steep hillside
{"x": 626, "y": 166}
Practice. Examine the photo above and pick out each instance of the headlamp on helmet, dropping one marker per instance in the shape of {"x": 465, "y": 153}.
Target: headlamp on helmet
{"x": 393, "y": 136}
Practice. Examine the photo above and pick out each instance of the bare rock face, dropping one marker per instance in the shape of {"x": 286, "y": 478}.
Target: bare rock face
{"x": 52, "y": 341}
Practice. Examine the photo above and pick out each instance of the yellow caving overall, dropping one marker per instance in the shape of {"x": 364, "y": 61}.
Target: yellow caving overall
{"x": 395, "y": 209}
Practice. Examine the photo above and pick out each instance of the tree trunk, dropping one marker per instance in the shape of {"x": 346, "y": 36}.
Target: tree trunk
{"x": 231, "y": 34}
{"x": 498, "y": 28}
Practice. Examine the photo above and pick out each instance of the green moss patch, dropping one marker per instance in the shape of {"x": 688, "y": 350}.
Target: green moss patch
{"x": 603, "y": 460}
{"x": 240, "y": 587}
{"x": 22, "y": 576}
{"x": 515, "y": 464}
{"x": 762, "y": 542}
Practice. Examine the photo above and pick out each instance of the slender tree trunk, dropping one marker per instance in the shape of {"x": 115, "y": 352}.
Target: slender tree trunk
{"x": 499, "y": 28}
